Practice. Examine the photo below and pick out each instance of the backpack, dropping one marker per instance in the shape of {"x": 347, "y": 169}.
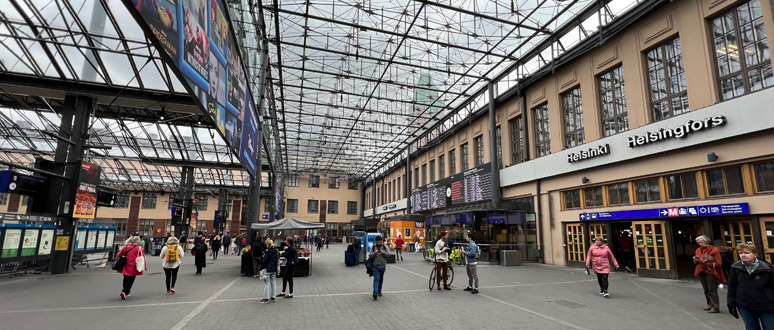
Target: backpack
{"x": 172, "y": 253}
{"x": 478, "y": 252}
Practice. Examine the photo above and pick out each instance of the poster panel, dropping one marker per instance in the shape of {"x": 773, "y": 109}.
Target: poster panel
{"x": 11, "y": 243}
{"x": 91, "y": 241}
{"x": 46, "y": 241}
{"x": 30, "y": 242}
{"x": 111, "y": 236}
{"x": 101, "y": 239}
{"x": 248, "y": 148}
{"x": 80, "y": 240}
{"x": 86, "y": 197}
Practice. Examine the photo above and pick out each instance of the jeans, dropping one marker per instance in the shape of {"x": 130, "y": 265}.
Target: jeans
{"x": 288, "y": 278}
{"x": 398, "y": 253}
{"x": 602, "y": 280}
{"x": 379, "y": 277}
{"x": 441, "y": 266}
{"x": 215, "y": 254}
{"x": 270, "y": 283}
{"x": 239, "y": 249}
{"x": 472, "y": 276}
{"x": 357, "y": 257}
{"x": 756, "y": 320}
{"x": 225, "y": 249}
{"x": 257, "y": 265}
{"x": 128, "y": 282}
{"x": 710, "y": 284}
{"x": 171, "y": 274}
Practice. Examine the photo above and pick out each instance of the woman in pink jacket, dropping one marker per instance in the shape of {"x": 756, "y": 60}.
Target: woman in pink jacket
{"x": 132, "y": 250}
{"x": 601, "y": 255}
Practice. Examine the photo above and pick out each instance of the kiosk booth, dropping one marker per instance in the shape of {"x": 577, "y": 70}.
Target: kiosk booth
{"x": 304, "y": 267}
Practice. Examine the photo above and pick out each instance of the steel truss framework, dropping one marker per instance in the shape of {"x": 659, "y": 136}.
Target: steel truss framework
{"x": 142, "y": 111}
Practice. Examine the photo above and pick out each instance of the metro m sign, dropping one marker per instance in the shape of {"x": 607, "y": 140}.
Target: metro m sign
{"x": 672, "y": 212}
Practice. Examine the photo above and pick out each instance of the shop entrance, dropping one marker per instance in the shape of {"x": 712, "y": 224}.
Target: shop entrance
{"x": 623, "y": 244}
{"x": 575, "y": 242}
{"x": 684, "y": 234}
{"x": 650, "y": 247}
{"x": 735, "y": 232}
{"x": 767, "y": 231}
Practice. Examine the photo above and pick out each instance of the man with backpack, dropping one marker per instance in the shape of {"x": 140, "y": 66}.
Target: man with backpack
{"x": 472, "y": 252}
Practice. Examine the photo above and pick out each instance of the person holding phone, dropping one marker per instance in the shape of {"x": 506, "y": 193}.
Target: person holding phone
{"x": 709, "y": 270}
{"x": 600, "y": 255}
{"x": 379, "y": 254}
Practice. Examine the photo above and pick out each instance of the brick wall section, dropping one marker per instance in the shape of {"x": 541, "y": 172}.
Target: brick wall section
{"x": 133, "y": 222}
{"x": 13, "y": 203}
{"x": 236, "y": 214}
{"x": 209, "y": 225}
{"x": 159, "y": 224}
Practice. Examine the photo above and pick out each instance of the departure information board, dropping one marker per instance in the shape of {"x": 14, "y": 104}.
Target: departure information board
{"x": 473, "y": 185}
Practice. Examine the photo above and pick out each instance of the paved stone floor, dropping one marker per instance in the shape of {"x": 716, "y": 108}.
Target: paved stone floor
{"x": 531, "y": 296}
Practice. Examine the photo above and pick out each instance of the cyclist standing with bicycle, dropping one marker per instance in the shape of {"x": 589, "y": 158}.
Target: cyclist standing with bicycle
{"x": 442, "y": 260}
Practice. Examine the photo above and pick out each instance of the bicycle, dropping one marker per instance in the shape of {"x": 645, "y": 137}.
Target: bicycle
{"x": 450, "y": 278}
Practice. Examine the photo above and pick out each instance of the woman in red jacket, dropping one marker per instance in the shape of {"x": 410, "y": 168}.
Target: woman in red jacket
{"x": 601, "y": 255}
{"x": 709, "y": 270}
{"x": 132, "y": 250}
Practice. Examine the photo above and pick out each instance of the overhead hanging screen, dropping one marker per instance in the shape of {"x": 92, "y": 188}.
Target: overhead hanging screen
{"x": 197, "y": 37}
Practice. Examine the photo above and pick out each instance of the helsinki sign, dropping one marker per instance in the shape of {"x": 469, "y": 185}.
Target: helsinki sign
{"x": 670, "y": 212}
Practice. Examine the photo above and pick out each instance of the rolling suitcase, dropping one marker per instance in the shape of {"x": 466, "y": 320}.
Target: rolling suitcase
{"x": 349, "y": 258}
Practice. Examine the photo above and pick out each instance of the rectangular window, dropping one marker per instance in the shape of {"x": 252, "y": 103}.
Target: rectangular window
{"x": 518, "y": 150}
{"x": 618, "y": 193}
{"x": 148, "y": 200}
{"x": 725, "y": 181}
{"x": 573, "y": 118}
{"x": 764, "y": 176}
{"x": 122, "y": 200}
{"x": 292, "y": 205}
{"x": 4, "y": 198}
{"x": 464, "y": 157}
{"x": 542, "y": 130}
{"x": 25, "y": 200}
{"x": 351, "y": 207}
{"x": 146, "y": 226}
{"x": 441, "y": 166}
{"x": 424, "y": 174}
{"x": 666, "y": 75}
{"x": 201, "y": 224}
{"x": 432, "y": 170}
{"x": 416, "y": 178}
{"x": 682, "y": 186}
{"x": 267, "y": 205}
{"x": 312, "y": 206}
{"x": 171, "y": 202}
{"x": 572, "y": 199}
{"x": 333, "y": 207}
{"x": 314, "y": 181}
{"x": 352, "y": 184}
{"x": 479, "y": 141}
{"x": 201, "y": 202}
{"x": 647, "y": 191}
{"x": 499, "y": 146}
{"x": 615, "y": 117}
{"x": 293, "y": 180}
{"x": 400, "y": 189}
{"x": 593, "y": 196}
{"x": 121, "y": 227}
{"x": 333, "y": 183}
{"x": 452, "y": 162}
{"x": 741, "y": 30}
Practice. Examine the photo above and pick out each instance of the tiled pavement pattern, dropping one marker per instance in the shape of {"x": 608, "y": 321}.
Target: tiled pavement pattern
{"x": 531, "y": 296}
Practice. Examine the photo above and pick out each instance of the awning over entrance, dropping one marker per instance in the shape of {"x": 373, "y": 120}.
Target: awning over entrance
{"x": 288, "y": 223}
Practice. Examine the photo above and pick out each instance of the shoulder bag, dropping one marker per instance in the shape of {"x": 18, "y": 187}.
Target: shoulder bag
{"x": 140, "y": 262}
{"x": 119, "y": 264}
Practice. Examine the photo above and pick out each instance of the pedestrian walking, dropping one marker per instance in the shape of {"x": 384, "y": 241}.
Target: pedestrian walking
{"x": 626, "y": 244}
{"x": 318, "y": 242}
{"x": 215, "y": 242}
{"x": 238, "y": 240}
{"x": 472, "y": 255}
{"x": 399, "y": 248}
{"x": 600, "y": 255}
{"x": 726, "y": 256}
{"x": 226, "y": 243}
{"x": 200, "y": 255}
{"x": 356, "y": 246}
{"x": 257, "y": 250}
{"x": 184, "y": 241}
{"x": 270, "y": 264}
{"x": 442, "y": 260}
{"x": 751, "y": 289}
{"x": 172, "y": 257}
{"x": 327, "y": 241}
{"x": 378, "y": 256}
{"x": 709, "y": 270}
{"x": 132, "y": 251}
{"x": 291, "y": 260}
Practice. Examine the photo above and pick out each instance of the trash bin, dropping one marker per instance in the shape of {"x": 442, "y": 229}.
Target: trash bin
{"x": 510, "y": 258}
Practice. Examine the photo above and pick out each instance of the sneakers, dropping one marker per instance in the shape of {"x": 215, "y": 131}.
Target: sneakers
{"x": 474, "y": 291}
{"x": 375, "y": 294}
{"x": 607, "y": 295}
{"x": 172, "y": 289}
{"x": 281, "y": 294}
{"x": 601, "y": 292}
{"x": 123, "y": 296}
{"x": 379, "y": 293}
{"x": 264, "y": 301}
{"x": 288, "y": 296}
{"x": 467, "y": 289}
{"x": 272, "y": 300}
{"x": 438, "y": 287}
{"x": 128, "y": 295}
{"x": 446, "y": 287}
{"x": 169, "y": 292}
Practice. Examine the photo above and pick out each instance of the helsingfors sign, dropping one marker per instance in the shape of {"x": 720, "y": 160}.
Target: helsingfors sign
{"x": 676, "y": 132}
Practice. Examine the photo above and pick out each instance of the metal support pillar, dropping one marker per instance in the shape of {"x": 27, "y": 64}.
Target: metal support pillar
{"x": 408, "y": 180}
{"x": 373, "y": 198}
{"x": 253, "y": 205}
{"x": 493, "y": 148}
{"x": 223, "y": 204}
{"x": 77, "y": 110}
{"x": 187, "y": 197}
{"x": 362, "y": 198}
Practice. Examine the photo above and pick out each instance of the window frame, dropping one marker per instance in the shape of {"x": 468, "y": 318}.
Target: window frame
{"x": 288, "y": 205}
{"x": 669, "y": 96}
{"x": 147, "y": 206}
{"x": 647, "y": 181}
{"x": 567, "y": 193}
{"x": 572, "y": 114}
{"x": 499, "y": 146}
{"x": 682, "y": 186}
{"x": 351, "y": 208}
{"x": 465, "y": 150}
{"x": 333, "y": 207}
{"x": 316, "y": 206}
{"x": 617, "y": 187}
{"x": 294, "y": 180}
{"x": 199, "y": 205}
{"x": 601, "y": 197}
{"x": 452, "y": 162}
{"x": 431, "y": 169}
{"x": 518, "y": 146}
{"x": 314, "y": 181}
{"x": 352, "y": 184}
{"x": 441, "y": 166}
{"x": 725, "y": 181}
{"x": 479, "y": 143}
{"x": 334, "y": 183}
{"x": 616, "y": 101}
{"x": 542, "y": 126}
{"x": 756, "y": 177}
{"x": 122, "y": 200}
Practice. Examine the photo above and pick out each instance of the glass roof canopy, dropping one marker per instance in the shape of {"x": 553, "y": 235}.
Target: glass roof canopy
{"x": 359, "y": 82}
{"x": 143, "y": 112}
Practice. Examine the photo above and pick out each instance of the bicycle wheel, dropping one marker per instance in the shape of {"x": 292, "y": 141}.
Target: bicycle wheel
{"x": 451, "y": 276}
{"x": 431, "y": 284}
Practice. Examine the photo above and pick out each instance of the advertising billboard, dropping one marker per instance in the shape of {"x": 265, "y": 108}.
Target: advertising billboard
{"x": 198, "y": 41}
{"x": 86, "y": 197}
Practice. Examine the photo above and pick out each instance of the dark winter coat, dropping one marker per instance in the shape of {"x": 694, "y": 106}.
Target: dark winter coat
{"x": 270, "y": 260}
{"x": 215, "y": 244}
{"x": 291, "y": 256}
{"x": 752, "y": 291}
{"x": 201, "y": 255}
{"x": 258, "y": 249}
{"x": 227, "y": 240}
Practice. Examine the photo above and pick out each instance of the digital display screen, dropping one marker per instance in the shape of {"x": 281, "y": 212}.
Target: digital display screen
{"x": 474, "y": 185}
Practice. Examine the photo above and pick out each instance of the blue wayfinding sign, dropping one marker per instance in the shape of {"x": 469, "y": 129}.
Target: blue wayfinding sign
{"x": 669, "y": 212}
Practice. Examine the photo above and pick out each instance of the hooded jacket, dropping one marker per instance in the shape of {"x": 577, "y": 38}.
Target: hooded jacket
{"x": 601, "y": 256}
{"x": 270, "y": 260}
{"x": 752, "y": 291}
